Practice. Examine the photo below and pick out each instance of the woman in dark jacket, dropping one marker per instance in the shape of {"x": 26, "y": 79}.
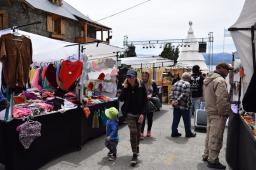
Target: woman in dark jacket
{"x": 135, "y": 98}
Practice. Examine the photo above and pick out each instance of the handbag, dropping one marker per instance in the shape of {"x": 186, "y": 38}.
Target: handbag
{"x": 150, "y": 107}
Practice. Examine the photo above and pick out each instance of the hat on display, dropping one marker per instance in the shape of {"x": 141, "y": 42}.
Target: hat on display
{"x": 107, "y": 77}
{"x": 113, "y": 72}
{"x": 101, "y": 76}
{"x": 111, "y": 113}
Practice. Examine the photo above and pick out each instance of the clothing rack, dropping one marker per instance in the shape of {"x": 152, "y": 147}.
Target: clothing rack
{"x": 25, "y": 25}
{"x": 81, "y": 48}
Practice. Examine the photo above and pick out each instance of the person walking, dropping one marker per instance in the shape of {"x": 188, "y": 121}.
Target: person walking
{"x": 135, "y": 99}
{"x": 218, "y": 108}
{"x": 152, "y": 105}
{"x": 180, "y": 96}
{"x": 111, "y": 132}
{"x": 196, "y": 86}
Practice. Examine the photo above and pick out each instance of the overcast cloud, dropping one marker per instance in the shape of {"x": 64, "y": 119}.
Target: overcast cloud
{"x": 164, "y": 19}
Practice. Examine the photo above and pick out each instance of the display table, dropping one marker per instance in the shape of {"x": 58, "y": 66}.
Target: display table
{"x": 241, "y": 145}
{"x": 87, "y": 132}
{"x": 60, "y": 135}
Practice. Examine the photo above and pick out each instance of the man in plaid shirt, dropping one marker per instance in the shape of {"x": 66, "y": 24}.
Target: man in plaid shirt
{"x": 180, "y": 97}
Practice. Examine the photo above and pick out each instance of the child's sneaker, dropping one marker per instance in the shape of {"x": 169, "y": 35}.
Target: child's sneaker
{"x": 112, "y": 157}
{"x": 149, "y": 134}
{"x": 109, "y": 154}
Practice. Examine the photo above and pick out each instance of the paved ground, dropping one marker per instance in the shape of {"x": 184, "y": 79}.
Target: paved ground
{"x": 161, "y": 152}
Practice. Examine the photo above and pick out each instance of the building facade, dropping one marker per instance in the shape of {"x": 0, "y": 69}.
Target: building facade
{"x": 59, "y": 20}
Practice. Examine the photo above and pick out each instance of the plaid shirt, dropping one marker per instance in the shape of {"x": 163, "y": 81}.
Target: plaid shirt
{"x": 181, "y": 92}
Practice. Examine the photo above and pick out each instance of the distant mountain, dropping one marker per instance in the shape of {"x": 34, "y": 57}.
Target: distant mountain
{"x": 218, "y": 58}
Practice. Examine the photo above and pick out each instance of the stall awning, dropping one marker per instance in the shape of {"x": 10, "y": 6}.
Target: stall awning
{"x": 242, "y": 38}
{"x": 146, "y": 62}
{"x": 48, "y": 50}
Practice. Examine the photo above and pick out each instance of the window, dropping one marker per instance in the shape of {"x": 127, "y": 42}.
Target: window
{"x": 1, "y": 21}
{"x": 82, "y": 32}
{"x": 91, "y": 32}
{"x": 57, "y": 26}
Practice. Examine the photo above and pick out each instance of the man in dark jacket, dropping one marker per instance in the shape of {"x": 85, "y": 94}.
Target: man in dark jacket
{"x": 196, "y": 86}
{"x": 134, "y": 96}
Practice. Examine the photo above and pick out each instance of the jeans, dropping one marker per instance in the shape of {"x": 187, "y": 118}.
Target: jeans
{"x": 195, "y": 104}
{"x": 177, "y": 113}
{"x": 111, "y": 145}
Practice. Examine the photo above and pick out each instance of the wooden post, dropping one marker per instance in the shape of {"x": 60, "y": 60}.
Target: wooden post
{"x": 85, "y": 31}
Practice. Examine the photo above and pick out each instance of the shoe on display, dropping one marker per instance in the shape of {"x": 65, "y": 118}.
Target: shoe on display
{"x": 134, "y": 160}
{"x": 191, "y": 135}
{"x": 217, "y": 165}
{"x": 176, "y": 135}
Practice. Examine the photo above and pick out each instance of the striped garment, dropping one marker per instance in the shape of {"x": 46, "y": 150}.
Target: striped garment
{"x": 181, "y": 92}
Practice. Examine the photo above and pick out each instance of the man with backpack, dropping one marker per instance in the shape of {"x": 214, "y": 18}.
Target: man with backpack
{"x": 196, "y": 86}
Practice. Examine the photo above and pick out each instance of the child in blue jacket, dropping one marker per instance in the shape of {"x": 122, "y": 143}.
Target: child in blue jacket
{"x": 111, "y": 132}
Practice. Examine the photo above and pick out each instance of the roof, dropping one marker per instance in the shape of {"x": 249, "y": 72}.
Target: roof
{"x": 65, "y": 10}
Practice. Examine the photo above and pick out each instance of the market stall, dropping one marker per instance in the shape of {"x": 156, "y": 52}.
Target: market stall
{"x": 42, "y": 117}
{"x": 99, "y": 88}
{"x": 241, "y": 141}
{"x": 60, "y": 134}
{"x": 156, "y": 66}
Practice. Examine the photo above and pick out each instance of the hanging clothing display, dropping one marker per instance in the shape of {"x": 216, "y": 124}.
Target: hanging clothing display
{"x": 51, "y": 75}
{"x": 28, "y": 132}
{"x": 16, "y": 56}
{"x": 70, "y": 72}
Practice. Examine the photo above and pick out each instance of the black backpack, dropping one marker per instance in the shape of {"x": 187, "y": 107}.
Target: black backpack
{"x": 196, "y": 85}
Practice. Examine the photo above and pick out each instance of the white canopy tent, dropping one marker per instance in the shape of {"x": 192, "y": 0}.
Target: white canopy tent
{"x": 242, "y": 39}
{"x": 146, "y": 62}
{"x": 48, "y": 50}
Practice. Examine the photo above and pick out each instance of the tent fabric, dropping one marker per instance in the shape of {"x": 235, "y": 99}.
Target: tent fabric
{"x": 49, "y": 50}
{"x": 242, "y": 39}
{"x": 137, "y": 62}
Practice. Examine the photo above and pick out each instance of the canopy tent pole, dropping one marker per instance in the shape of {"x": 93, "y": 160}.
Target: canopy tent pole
{"x": 253, "y": 47}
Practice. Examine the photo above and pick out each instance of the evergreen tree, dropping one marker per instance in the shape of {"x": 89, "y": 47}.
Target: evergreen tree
{"x": 170, "y": 53}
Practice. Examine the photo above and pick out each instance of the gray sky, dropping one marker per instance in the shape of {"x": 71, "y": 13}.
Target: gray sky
{"x": 164, "y": 19}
